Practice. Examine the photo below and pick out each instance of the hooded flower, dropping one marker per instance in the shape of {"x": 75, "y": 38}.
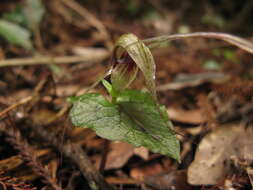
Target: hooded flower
{"x": 124, "y": 71}
{"x": 130, "y": 54}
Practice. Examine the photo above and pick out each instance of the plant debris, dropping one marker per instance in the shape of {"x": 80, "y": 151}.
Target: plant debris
{"x": 53, "y": 50}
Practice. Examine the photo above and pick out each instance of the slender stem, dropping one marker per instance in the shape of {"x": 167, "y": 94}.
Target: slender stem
{"x": 114, "y": 99}
{"x": 94, "y": 57}
{"x": 234, "y": 40}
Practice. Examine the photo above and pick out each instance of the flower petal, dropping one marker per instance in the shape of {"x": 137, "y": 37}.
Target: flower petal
{"x": 141, "y": 56}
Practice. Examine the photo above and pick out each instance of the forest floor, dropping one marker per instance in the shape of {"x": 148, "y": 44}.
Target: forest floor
{"x": 206, "y": 86}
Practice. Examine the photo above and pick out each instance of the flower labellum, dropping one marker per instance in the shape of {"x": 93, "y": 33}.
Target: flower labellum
{"x": 130, "y": 54}
{"x": 124, "y": 71}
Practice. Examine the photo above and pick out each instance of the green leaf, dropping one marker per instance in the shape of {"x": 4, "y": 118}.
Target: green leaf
{"x": 135, "y": 118}
{"x": 151, "y": 118}
{"x": 108, "y": 86}
{"x": 16, "y": 16}
{"x": 33, "y": 12}
{"x": 15, "y": 34}
{"x": 141, "y": 56}
{"x": 28, "y": 14}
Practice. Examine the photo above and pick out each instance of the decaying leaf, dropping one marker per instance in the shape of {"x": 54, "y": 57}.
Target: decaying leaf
{"x": 176, "y": 180}
{"x": 193, "y": 117}
{"x": 142, "y": 152}
{"x": 141, "y": 172}
{"x": 121, "y": 152}
{"x": 193, "y": 80}
{"x": 213, "y": 158}
{"x": 119, "y": 155}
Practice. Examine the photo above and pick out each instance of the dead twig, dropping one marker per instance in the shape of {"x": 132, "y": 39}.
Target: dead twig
{"x": 78, "y": 156}
{"x": 93, "y": 56}
{"x": 229, "y": 38}
{"x": 13, "y": 106}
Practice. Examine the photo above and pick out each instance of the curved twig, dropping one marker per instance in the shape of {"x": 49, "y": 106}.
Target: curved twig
{"x": 234, "y": 40}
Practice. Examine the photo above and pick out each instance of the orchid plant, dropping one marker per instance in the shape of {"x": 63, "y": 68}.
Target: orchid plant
{"x": 130, "y": 115}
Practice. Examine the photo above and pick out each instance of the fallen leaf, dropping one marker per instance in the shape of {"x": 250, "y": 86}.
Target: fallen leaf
{"x": 142, "y": 152}
{"x": 213, "y": 157}
{"x": 151, "y": 169}
{"x": 121, "y": 152}
{"x": 194, "y": 117}
{"x": 193, "y": 80}
{"x": 176, "y": 180}
{"x": 119, "y": 155}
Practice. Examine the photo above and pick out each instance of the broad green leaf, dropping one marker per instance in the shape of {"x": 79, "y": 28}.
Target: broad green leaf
{"x": 34, "y": 12}
{"x": 142, "y": 57}
{"x": 15, "y": 34}
{"x": 134, "y": 118}
{"x": 150, "y": 117}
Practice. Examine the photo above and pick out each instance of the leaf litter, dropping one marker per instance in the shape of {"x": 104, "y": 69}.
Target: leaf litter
{"x": 180, "y": 58}
{"x": 213, "y": 159}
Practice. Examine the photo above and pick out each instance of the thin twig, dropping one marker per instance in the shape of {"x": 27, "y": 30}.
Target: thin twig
{"x": 13, "y": 106}
{"x": 96, "y": 56}
{"x": 78, "y": 156}
{"x": 234, "y": 40}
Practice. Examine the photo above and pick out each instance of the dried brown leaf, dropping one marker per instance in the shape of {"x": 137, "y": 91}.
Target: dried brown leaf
{"x": 212, "y": 159}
